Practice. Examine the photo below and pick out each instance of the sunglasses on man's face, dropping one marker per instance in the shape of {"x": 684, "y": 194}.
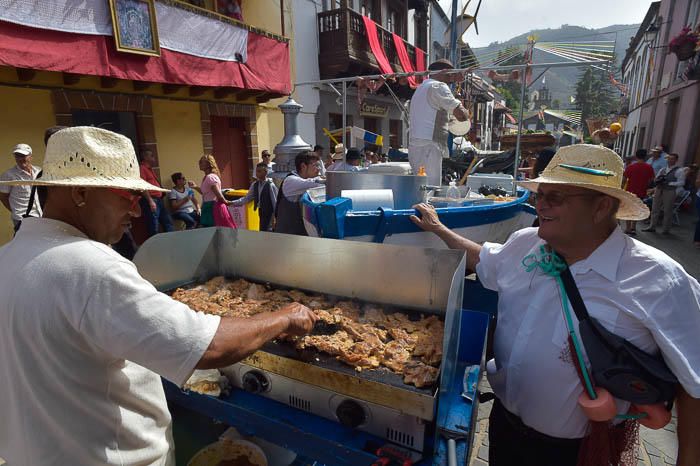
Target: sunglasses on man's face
{"x": 132, "y": 196}
{"x": 557, "y": 198}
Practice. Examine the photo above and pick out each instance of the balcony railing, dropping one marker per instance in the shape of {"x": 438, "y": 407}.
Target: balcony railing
{"x": 344, "y": 48}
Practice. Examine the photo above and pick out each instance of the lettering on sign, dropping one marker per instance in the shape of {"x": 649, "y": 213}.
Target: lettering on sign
{"x": 373, "y": 109}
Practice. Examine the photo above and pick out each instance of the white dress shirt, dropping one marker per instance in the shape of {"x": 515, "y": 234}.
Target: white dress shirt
{"x": 632, "y": 289}
{"x": 294, "y": 186}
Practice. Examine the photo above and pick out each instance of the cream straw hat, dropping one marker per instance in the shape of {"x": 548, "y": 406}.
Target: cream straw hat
{"x": 339, "y": 152}
{"x": 90, "y": 157}
{"x": 591, "y": 167}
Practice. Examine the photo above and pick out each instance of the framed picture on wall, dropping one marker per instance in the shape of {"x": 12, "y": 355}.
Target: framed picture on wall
{"x": 135, "y": 27}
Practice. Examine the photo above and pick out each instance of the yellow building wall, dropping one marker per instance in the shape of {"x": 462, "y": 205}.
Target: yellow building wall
{"x": 179, "y": 136}
{"x": 26, "y": 113}
{"x": 270, "y": 128}
{"x": 265, "y": 14}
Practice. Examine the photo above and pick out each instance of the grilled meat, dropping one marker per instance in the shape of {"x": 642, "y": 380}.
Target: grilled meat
{"x": 419, "y": 374}
{"x": 369, "y": 338}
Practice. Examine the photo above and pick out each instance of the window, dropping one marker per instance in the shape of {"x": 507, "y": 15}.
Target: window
{"x": 335, "y": 121}
{"x": 693, "y": 13}
{"x": 391, "y": 21}
{"x": 395, "y": 134}
{"x": 671, "y": 120}
{"x": 640, "y": 139}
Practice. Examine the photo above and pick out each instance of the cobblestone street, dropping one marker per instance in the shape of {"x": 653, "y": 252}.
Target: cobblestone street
{"x": 658, "y": 447}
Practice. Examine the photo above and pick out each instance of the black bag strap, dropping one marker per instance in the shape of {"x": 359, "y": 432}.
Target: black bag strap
{"x": 574, "y": 295}
{"x": 30, "y": 206}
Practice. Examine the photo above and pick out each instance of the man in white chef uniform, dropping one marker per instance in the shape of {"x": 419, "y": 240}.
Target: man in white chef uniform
{"x": 431, "y": 105}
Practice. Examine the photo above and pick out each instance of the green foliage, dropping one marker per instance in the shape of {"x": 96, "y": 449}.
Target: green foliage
{"x": 556, "y": 104}
{"x": 595, "y": 96}
{"x": 510, "y": 90}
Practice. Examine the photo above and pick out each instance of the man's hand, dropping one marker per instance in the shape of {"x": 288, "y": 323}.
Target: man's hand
{"x": 428, "y": 219}
{"x": 301, "y": 319}
{"x": 5, "y": 201}
{"x": 153, "y": 205}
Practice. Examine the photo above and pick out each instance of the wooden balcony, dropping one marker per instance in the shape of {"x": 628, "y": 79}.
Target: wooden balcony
{"x": 344, "y": 49}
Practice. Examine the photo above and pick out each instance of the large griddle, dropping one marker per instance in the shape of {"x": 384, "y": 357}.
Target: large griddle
{"x": 404, "y": 277}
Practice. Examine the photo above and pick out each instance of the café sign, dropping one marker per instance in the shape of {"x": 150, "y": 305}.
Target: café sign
{"x": 372, "y": 109}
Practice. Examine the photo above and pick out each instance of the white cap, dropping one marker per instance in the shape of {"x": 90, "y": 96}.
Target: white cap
{"x": 22, "y": 149}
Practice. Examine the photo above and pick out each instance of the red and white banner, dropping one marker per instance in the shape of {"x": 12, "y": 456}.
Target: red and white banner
{"x": 179, "y": 30}
{"x": 267, "y": 67}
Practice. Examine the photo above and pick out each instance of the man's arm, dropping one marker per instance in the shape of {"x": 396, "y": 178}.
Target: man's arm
{"x": 5, "y": 200}
{"x": 688, "y": 429}
{"x": 460, "y": 113}
{"x": 429, "y": 221}
{"x": 152, "y": 204}
{"x": 245, "y": 199}
{"x": 236, "y": 338}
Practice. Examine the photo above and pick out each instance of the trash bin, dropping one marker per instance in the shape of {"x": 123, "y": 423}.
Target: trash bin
{"x": 244, "y": 216}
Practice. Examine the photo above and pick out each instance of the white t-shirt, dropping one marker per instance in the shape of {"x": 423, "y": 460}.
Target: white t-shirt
{"x": 19, "y": 195}
{"x": 632, "y": 289}
{"x": 177, "y": 196}
{"x": 83, "y": 338}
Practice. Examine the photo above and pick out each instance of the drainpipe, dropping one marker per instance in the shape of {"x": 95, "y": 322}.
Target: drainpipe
{"x": 662, "y": 64}
{"x": 282, "y": 16}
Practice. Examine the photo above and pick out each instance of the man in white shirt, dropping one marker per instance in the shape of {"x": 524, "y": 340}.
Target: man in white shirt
{"x": 16, "y": 198}
{"x": 658, "y": 159}
{"x": 352, "y": 163}
{"x": 431, "y": 107}
{"x": 632, "y": 289}
{"x": 288, "y": 211}
{"x": 670, "y": 182}
{"x": 81, "y": 356}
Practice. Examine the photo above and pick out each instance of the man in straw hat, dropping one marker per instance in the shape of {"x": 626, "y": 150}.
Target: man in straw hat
{"x": 338, "y": 158}
{"x": 634, "y": 290}
{"x": 82, "y": 350}
{"x": 432, "y": 105}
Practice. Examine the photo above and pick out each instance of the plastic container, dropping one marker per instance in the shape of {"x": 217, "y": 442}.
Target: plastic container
{"x": 244, "y": 216}
{"x": 453, "y": 194}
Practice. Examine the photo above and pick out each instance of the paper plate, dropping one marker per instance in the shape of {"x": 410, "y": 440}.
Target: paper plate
{"x": 229, "y": 453}
{"x": 458, "y": 128}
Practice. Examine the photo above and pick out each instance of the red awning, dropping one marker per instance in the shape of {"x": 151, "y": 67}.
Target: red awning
{"x": 267, "y": 68}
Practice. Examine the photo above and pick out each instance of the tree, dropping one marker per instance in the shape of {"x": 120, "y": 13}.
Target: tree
{"x": 556, "y": 104}
{"x": 510, "y": 90}
{"x": 595, "y": 96}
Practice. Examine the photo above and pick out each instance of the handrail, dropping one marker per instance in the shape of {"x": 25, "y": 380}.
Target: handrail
{"x": 341, "y": 19}
{"x": 225, "y": 19}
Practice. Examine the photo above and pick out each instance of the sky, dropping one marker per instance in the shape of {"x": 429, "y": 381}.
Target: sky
{"x": 500, "y": 20}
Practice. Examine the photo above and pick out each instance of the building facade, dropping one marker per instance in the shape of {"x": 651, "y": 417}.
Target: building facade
{"x": 198, "y": 96}
{"x": 664, "y": 98}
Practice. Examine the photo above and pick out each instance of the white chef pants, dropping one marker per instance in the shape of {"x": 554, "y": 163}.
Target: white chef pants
{"x": 429, "y": 156}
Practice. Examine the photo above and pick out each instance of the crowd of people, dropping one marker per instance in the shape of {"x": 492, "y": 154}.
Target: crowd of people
{"x": 655, "y": 177}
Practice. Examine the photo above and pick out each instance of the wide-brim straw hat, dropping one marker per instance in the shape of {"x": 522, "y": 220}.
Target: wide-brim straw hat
{"x": 90, "y": 157}
{"x": 591, "y": 167}
{"x": 339, "y": 152}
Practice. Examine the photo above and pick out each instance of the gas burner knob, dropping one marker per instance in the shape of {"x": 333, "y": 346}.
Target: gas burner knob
{"x": 255, "y": 382}
{"x": 351, "y": 414}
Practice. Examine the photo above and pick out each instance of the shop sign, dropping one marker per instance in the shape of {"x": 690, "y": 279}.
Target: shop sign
{"x": 371, "y": 109}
